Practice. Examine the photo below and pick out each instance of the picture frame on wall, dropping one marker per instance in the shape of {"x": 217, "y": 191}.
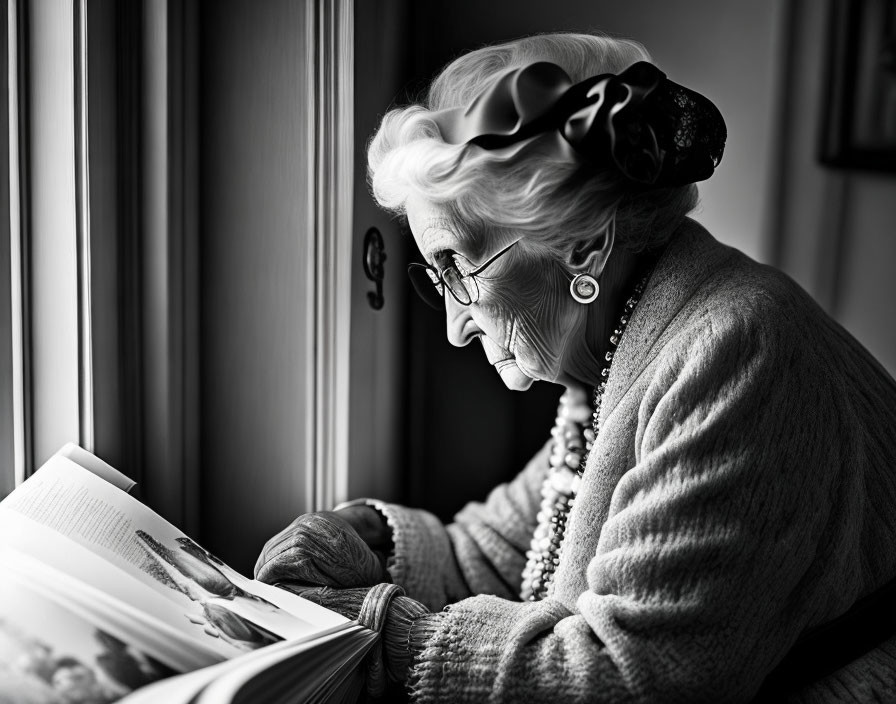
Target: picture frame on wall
{"x": 859, "y": 107}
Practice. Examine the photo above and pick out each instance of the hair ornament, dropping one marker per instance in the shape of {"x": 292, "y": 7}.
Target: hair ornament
{"x": 656, "y": 133}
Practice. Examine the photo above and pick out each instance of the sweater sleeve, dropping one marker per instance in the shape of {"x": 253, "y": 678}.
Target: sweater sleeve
{"x": 703, "y": 575}
{"x": 482, "y": 552}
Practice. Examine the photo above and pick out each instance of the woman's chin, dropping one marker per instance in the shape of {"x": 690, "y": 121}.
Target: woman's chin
{"x": 514, "y": 378}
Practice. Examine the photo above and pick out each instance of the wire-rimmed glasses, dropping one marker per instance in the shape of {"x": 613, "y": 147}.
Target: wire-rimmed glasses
{"x": 457, "y": 276}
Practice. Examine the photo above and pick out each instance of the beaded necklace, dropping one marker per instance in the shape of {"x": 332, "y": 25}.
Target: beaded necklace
{"x": 573, "y": 438}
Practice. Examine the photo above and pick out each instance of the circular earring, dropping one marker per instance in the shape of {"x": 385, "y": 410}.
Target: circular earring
{"x": 584, "y": 288}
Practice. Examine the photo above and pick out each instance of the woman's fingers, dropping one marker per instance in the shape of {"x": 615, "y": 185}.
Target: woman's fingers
{"x": 320, "y": 548}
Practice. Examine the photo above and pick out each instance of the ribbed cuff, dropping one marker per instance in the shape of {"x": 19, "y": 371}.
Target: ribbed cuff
{"x": 422, "y": 562}
{"x": 461, "y": 654}
{"x": 422, "y": 630}
{"x": 422, "y": 634}
{"x": 397, "y": 635}
{"x": 444, "y": 668}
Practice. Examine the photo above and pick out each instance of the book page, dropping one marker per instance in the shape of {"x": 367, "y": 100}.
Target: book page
{"x": 94, "y": 464}
{"x": 304, "y": 667}
{"x": 285, "y": 675}
{"x": 55, "y": 653}
{"x": 77, "y": 504}
{"x": 149, "y": 619}
{"x": 283, "y": 681}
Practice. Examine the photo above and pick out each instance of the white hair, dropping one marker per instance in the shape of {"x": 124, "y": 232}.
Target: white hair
{"x": 557, "y": 201}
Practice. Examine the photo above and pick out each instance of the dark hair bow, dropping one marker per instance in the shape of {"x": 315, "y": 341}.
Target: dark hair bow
{"x": 656, "y": 132}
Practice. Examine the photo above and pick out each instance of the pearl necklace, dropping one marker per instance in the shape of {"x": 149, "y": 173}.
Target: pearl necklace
{"x": 573, "y": 438}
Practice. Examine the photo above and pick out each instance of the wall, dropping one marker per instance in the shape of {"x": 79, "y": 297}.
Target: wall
{"x": 867, "y": 287}
{"x": 726, "y": 49}
{"x": 254, "y": 273}
{"x": 833, "y": 229}
{"x": 378, "y": 355}
{"x": 252, "y": 264}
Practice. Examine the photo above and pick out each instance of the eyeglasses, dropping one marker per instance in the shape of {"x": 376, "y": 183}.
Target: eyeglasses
{"x": 457, "y": 275}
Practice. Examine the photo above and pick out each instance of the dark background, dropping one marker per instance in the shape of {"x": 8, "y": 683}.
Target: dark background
{"x": 766, "y": 64}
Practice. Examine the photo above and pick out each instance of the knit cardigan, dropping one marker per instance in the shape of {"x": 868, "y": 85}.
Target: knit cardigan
{"x": 742, "y": 491}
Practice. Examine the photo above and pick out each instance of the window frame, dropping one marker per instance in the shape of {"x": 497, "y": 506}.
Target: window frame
{"x": 132, "y": 356}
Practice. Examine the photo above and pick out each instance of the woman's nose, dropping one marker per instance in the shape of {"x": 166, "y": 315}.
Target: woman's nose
{"x": 460, "y": 333}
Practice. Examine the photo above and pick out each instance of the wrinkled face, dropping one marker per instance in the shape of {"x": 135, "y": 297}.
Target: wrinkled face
{"x": 524, "y": 317}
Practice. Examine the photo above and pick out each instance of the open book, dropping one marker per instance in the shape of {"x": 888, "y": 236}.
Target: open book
{"x": 103, "y": 600}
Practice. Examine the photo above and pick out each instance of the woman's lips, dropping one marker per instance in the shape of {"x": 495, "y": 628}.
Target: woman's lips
{"x": 495, "y": 354}
{"x": 505, "y": 364}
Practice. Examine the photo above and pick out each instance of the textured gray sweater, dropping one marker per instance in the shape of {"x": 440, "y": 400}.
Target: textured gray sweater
{"x": 742, "y": 491}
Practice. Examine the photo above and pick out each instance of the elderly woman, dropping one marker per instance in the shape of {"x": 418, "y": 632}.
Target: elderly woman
{"x": 718, "y": 490}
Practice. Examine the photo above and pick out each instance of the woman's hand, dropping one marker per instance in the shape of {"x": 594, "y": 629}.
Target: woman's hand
{"x": 320, "y": 549}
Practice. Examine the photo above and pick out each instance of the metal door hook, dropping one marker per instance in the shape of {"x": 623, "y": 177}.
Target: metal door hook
{"x": 374, "y": 258}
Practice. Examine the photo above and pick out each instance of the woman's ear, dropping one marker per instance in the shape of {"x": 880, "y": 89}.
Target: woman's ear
{"x": 590, "y": 255}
